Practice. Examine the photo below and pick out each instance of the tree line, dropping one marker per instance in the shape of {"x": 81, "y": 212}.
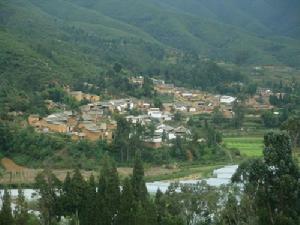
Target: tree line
{"x": 270, "y": 195}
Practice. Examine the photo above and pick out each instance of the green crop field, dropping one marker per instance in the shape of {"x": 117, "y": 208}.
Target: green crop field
{"x": 248, "y": 146}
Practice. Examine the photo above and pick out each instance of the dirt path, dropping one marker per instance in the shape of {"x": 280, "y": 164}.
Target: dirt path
{"x": 16, "y": 174}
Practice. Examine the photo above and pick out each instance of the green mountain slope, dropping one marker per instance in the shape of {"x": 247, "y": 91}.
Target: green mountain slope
{"x": 43, "y": 40}
{"x": 37, "y": 37}
{"x": 216, "y": 29}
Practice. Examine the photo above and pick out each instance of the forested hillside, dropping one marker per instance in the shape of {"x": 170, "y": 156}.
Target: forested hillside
{"x": 60, "y": 39}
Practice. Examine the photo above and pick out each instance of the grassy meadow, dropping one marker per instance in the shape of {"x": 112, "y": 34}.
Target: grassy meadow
{"x": 248, "y": 146}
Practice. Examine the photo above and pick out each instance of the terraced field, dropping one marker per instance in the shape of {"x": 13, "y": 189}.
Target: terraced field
{"x": 248, "y": 146}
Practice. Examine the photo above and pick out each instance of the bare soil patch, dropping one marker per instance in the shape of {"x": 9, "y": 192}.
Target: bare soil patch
{"x": 11, "y": 166}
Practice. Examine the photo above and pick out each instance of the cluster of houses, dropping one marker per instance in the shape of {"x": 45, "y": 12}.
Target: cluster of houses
{"x": 164, "y": 133}
{"x": 194, "y": 101}
{"x": 75, "y": 125}
{"x": 93, "y": 120}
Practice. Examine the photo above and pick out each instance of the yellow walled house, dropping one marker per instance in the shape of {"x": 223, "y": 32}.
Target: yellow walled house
{"x": 56, "y": 127}
{"x": 79, "y": 96}
{"x": 33, "y": 120}
{"x": 92, "y": 135}
{"x": 76, "y": 136}
{"x": 94, "y": 98}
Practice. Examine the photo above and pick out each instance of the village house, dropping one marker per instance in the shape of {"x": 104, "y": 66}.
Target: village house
{"x": 180, "y": 107}
{"x": 167, "y": 130}
{"x": 227, "y": 100}
{"x": 77, "y": 136}
{"x": 80, "y": 96}
{"x": 165, "y": 88}
{"x": 137, "y": 80}
{"x": 157, "y": 81}
{"x": 122, "y": 105}
{"x": 187, "y": 95}
{"x": 141, "y": 119}
{"x": 167, "y": 116}
{"x": 104, "y": 106}
{"x": 153, "y": 142}
{"x": 58, "y": 122}
{"x": 264, "y": 92}
{"x": 33, "y": 120}
{"x": 143, "y": 105}
{"x": 181, "y": 131}
{"x": 168, "y": 107}
{"x": 164, "y": 133}
{"x": 94, "y": 132}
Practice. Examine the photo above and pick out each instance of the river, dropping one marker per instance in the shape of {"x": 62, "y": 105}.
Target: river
{"x": 220, "y": 176}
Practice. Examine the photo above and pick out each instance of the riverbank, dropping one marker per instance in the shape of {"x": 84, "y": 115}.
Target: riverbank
{"x": 221, "y": 176}
{"x": 25, "y": 178}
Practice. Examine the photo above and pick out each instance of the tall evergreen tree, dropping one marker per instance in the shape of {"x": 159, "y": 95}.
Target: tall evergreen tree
{"x": 127, "y": 205}
{"x": 6, "y": 217}
{"x": 108, "y": 195}
{"x": 144, "y": 207}
{"x": 273, "y": 183}
{"x": 21, "y": 210}
{"x": 88, "y": 215}
{"x": 66, "y": 197}
{"x": 160, "y": 207}
{"x": 48, "y": 186}
{"x": 77, "y": 194}
{"x": 138, "y": 183}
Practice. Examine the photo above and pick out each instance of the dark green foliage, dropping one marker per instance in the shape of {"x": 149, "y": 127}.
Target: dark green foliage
{"x": 292, "y": 126}
{"x": 108, "y": 194}
{"x": 121, "y": 140}
{"x": 193, "y": 203}
{"x": 49, "y": 204}
{"x": 281, "y": 100}
{"x": 66, "y": 41}
{"x": 166, "y": 216}
{"x": 217, "y": 116}
{"x": 214, "y": 137}
{"x": 177, "y": 116}
{"x": 74, "y": 195}
{"x": 148, "y": 88}
{"x": 88, "y": 212}
{"x": 6, "y": 217}
{"x": 177, "y": 150}
{"x": 144, "y": 209}
{"x": 127, "y": 205}
{"x": 33, "y": 148}
{"x": 273, "y": 182}
{"x": 157, "y": 103}
{"x": 21, "y": 211}
{"x": 269, "y": 119}
{"x": 117, "y": 67}
{"x": 5, "y": 137}
{"x": 138, "y": 183}
{"x": 239, "y": 114}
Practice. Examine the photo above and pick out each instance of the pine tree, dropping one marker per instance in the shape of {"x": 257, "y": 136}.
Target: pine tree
{"x": 77, "y": 195}
{"x": 151, "y": 216}
{"x": 48, "y": 185}
{"x": 160, "y": 207}
{"x": 66, "y": 196}
{"x": 144, "y": 211}
{"x": 108, "y": 195}
{"x": 138, "y": 183}
{"x": 127, "y": 205}
{"x": 88, "y": 215}
{"x": 6, "y": 217}
{"x": 21, "y": 210}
